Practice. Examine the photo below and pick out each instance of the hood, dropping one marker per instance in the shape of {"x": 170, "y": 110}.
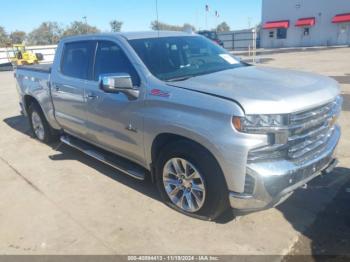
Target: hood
{"x": 262, "y": 90}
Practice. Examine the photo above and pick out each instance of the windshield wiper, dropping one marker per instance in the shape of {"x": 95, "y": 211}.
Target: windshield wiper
{"x": 178, "y": 79}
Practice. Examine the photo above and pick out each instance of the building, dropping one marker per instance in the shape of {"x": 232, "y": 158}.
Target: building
{"x": 297, "y": 23}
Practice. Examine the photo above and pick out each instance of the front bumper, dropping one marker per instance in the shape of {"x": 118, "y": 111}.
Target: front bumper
{"x": 276, "y": 181}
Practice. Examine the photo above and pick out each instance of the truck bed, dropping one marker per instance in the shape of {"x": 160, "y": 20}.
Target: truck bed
{"x": 45, "y": 68}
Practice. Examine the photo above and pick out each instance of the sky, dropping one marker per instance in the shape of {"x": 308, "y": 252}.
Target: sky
{"x": 136, "y": 14}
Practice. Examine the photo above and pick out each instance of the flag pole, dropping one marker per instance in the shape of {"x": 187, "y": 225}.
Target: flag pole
{"x": 206, "y": 16}
{"x": 206, "y": 19}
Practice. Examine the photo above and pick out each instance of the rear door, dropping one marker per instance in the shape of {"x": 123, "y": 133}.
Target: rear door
{"x": 69, "y": 83}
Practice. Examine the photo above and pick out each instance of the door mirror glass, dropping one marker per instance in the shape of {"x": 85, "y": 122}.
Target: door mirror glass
{"x": 116, "y": 83}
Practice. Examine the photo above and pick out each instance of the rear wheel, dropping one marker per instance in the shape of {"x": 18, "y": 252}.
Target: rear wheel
{"x": 190, "y": 180}
{"x": 39, "y": 125}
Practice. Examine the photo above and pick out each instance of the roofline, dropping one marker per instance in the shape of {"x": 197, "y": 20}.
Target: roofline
{"x": 131, "y": 35}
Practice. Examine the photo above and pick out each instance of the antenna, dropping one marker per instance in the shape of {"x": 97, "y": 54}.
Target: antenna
{"x": 157, "y": 13}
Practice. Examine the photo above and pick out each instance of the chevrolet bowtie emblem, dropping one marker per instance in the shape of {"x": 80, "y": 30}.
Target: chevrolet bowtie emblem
{"x": 333, "y": 121}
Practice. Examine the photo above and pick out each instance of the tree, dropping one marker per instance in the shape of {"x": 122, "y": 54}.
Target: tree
{"x": 155, "y": 25}
{"x": 48, "y": 33}
{"x": 188, "y": 26}
{"x": 80, "y": 28}
{"x": 17, "y": 37}
{"x": 223, "y": 27}
{"x": 116, "y": 25}
{"x": 4, "y": 39}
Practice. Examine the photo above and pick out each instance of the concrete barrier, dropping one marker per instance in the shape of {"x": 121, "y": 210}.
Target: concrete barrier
{"x": 48, "y": 52}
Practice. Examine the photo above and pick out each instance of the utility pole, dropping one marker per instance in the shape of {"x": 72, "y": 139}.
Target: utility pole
{"x": 254, "y": 31}
{"x": 157, "y": 16}
{"x": 249, "y": 22}
{"x": 85, "y": 22}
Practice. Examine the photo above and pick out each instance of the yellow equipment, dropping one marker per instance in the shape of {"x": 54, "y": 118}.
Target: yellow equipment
{"x": 18, "y": 55}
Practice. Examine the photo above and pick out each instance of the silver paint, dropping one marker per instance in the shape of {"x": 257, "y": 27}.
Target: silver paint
{"x": 199, "y": 109}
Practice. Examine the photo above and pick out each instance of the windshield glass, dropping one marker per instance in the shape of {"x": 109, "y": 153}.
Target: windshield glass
{"x": 179, "y": 58}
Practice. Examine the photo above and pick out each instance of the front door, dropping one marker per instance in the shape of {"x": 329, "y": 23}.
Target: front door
{"x": 68, "y": 87}
{"x": 113, "y": 119}
{"x": 343, "y": 34}
{"x": 305, "y": 36}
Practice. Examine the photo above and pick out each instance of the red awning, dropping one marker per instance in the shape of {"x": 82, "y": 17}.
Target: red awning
{"x": 342, "y": 18}
{"x": 311, "y": 21}
{"x": 276, "y": 24}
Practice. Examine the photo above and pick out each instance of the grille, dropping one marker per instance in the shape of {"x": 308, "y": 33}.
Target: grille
{"x": 310, "y": 130}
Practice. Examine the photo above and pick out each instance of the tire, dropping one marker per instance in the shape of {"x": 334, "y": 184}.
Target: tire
{"x": 206, "y": 205}
{"x": 40, "y": 127}
{"x": 39, "y": 56}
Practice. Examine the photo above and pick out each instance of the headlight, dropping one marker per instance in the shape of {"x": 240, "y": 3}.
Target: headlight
{"x": 274, "y": 126}
{"x": 261, "y": 124}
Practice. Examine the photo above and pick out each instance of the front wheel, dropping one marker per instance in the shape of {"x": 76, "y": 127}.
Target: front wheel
{"x": 190, "y": 180}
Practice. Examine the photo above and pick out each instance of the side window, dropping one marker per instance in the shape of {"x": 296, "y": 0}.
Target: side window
{"x": 110, "y": 58}
{"x": 281, "y": 33}
{"x": 271, "y": 34}
{"x": 77, "y": 59}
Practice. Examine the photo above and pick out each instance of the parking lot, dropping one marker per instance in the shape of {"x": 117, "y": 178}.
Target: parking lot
{"x": 55, "y": 200}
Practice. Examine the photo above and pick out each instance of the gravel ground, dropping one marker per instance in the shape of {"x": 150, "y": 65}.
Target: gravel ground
{"x": 329, "y": 237}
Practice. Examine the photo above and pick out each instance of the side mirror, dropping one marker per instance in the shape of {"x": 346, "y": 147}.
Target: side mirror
{"x": 115, "y": 83}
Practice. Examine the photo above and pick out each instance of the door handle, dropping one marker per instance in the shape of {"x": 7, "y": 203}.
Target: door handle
{"x": 56, "y": 87}
{"x": 91, "y": 96}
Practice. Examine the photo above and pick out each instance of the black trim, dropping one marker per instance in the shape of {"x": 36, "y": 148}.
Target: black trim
{"x": 210, "y": 94}
{"x": 94, "y": 61}
{"x": 43, "y": 68}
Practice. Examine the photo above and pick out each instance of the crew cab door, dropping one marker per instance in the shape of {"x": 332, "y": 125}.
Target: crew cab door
{"x": 114, "y": 120}
{"x": 71, "y": 76}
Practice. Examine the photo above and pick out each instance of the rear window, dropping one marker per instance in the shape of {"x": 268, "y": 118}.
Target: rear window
{"x": 77, "y": 59}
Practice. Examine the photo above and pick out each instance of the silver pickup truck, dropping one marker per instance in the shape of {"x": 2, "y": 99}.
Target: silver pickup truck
{"x": 212, "y": 132}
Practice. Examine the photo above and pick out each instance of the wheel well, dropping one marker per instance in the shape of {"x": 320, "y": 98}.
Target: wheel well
{"x": 160, "y": 142}
{"x": 28, "y": 101}
{"x": 163, "y": 139}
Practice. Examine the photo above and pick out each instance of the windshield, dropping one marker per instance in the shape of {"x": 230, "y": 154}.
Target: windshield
{"x": 179, "y": 58}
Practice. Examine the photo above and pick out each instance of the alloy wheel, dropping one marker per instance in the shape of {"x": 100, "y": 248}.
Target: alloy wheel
{"x": 184, "y": 185}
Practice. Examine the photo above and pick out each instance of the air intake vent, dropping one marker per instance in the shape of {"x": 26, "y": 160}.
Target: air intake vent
{"x": 249, "y": 185}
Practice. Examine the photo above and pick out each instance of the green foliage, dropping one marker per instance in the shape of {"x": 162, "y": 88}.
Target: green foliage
{"x": 48, "y": 33}
{"x": 80, "y": 28}
{"x": 223, "y": 27}
{"x": 116, "y": 25}
{"x": 4, "y": 39}
{"x": 17, "y": 37}
{"x": 160, "y": 26}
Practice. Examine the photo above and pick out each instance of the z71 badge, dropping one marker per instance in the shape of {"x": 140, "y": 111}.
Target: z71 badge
{"x": 158, "y": 92}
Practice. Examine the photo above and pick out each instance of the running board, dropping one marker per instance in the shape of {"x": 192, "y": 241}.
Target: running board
{"x": 118, "y": 163}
